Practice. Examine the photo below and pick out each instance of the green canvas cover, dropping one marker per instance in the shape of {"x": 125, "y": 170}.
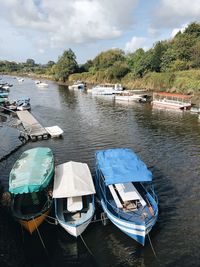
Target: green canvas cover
{"x": 32, "y": 172}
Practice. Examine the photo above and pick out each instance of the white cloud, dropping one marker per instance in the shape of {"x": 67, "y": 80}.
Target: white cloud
{"x": 176, "y": 30}
{"x": 135, "y": 43}
{"x": 70, "y": 21}
{"x": 172, "y": 12}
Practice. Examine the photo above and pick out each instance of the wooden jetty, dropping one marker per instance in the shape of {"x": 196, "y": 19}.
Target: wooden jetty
{"x": 32, "y": 127}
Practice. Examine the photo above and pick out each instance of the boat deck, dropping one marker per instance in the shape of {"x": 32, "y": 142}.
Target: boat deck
{"x": 32, "y": 127}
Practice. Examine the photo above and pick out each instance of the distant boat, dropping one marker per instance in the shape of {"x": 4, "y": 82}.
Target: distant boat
{"x": 42, "y": 84}
{"x": 23, "y": 104}
{"x": 20, "y": 80}
{"x": 131, "y": 96}
{"x": 106, "y": 89}
{"x": 120, "y": 184}
{"x": 29, "y": 179}
{"x": 73, "y": 193}
{"x": 172, "y": 101}
{"x": 77, "y": 85}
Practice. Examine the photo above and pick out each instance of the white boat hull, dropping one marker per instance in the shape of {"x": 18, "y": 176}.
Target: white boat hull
{"x": 75, "y": 230}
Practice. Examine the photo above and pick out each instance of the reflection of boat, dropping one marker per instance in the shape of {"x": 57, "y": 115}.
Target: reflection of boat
{"x": 173, "y": 101}
{"x": 77, "y": 85}
{"x": 124, "y": 198}
{"x": 74, "y": 196}
{"x": 107, "y": 89}
{"x": 28, "y": 182}
{"x": 23, "y": 104}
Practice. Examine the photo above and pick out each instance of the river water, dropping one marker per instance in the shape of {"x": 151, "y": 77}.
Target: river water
{"x": 167, "y": 141}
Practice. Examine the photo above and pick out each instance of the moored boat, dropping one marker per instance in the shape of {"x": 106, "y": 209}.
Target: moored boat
{"x": 73, "y": 193}
{"x": 23, "y": 104}
{"x": 120, "y": 183}
{"x": 172, "y": 101}
{"x": 107, "y": 89}
{"x": 131, "y": 96}
{"x": 29, "y": 180}
{"x": 77, "y": 85}
{"x": 42, "y": 84}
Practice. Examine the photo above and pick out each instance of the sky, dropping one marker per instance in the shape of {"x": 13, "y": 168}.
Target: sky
{"x": 43, "y": 29}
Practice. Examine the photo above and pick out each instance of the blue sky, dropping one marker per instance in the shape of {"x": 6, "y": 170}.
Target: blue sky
{"x": 43, "y": 29}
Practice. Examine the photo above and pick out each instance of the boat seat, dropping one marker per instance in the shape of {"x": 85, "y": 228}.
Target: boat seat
{"x": 114, "y": 194}
{"x": 74, "y": 204}
{"x": 128, "y": 192}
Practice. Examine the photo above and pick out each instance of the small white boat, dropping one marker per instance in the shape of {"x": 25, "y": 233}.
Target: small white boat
{"x": 129, "y": 96}
{"x": 77, "y": 85}
{"x": 42, "y": 84}
{"x": 73, "y": 193}
{"x": 23, "y": 104}
{"x": 20, "y": 80}
{"x": 107, "y": 89}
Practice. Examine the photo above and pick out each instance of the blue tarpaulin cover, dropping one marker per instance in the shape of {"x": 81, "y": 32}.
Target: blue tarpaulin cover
{"x": 122, "y": 165}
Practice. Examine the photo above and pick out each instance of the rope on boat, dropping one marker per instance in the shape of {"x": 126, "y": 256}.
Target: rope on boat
{"x": 40, "y": 236}
{"x": 152, "y": 246}
{"x": 86, "y": 246}
{"x": 52, "y": 218}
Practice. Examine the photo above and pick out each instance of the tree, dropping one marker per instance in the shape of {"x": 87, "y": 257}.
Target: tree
{"x": 66, "y": 65}
{"x": 107, "y": 59}
{"x": 30, "y": 62}
{"x": 156, "y": 57}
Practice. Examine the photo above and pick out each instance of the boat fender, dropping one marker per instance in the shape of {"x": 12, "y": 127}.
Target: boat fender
{"x": 151, "y": 210}
{"x": 104, "y": 218}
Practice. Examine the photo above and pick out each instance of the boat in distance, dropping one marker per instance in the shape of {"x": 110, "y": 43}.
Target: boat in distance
{"x": 77, "y": 85}
{"x": 73, "y": 194}
{"x": 29, "y": 181}
{"x": 172, "y": 101}
{"x": 107, "y": 89}
{"x": 120, "y": 183}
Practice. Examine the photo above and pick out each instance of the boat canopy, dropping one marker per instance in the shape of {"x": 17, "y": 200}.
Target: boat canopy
{"x": 72, "y": 179}
{"x": 32, "y": 172}
{"x": 122, "y": 165}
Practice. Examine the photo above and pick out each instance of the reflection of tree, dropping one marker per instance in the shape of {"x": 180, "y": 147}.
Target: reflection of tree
{"x": 67, "y": 97}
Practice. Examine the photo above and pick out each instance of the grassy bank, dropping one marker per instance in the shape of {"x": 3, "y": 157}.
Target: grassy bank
{"x": 187, "y": 82}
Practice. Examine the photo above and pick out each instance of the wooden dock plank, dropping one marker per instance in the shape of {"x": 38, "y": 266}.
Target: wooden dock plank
{"x": 31, "y": 125}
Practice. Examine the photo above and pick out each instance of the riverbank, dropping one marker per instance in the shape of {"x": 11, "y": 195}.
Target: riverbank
{"x": 183, "y": 82}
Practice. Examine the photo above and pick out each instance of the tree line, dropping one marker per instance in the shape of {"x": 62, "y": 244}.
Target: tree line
{"x": 180, "y": 53}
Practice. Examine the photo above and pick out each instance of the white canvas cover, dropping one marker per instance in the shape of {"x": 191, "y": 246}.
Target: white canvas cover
{"x": 72, "y": 179}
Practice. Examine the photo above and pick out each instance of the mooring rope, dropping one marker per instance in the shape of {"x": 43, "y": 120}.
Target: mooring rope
{"x": 40, "y": 236}
{"x": 86, "y": 246}
{"x": 152, "y": 246}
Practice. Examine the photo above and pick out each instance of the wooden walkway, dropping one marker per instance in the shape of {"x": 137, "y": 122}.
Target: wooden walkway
{"x": 32, "y": 127}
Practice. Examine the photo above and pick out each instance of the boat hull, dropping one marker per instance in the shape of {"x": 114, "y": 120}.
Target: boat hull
{"x": 75, "y": 230}
{"x": 135, "y": 231}
{"x": 171, "y": 105}
{"x": 33, "y": 223}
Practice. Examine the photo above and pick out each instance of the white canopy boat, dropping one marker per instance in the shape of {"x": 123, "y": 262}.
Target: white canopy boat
{"x": 73, "y": 194}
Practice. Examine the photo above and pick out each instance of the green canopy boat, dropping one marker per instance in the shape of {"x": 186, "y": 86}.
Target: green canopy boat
{"x": 29, "y": 179}
{"x": 32, "y": 172}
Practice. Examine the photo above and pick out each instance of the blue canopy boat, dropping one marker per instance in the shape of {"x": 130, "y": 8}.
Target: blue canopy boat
{"x": 29, "y": 180}
{"x": 120, "y": 177}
